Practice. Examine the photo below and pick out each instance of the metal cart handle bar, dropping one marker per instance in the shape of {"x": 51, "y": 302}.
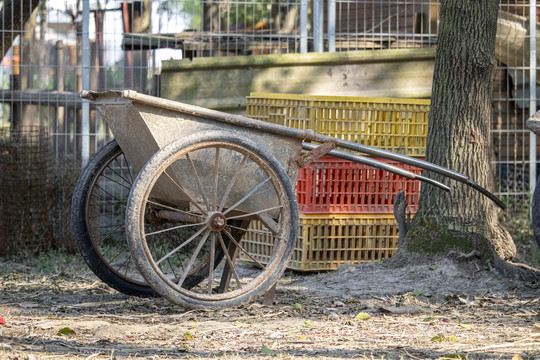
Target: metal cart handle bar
{"x": 305, "y": 135}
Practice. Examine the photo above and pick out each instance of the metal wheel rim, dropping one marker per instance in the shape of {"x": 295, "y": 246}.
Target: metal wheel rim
{"x": 121, "y": 227}
{"x": 280, "y": 237}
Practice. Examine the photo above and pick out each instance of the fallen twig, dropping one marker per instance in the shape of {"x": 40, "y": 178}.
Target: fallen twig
{"x": 501, "y": 346}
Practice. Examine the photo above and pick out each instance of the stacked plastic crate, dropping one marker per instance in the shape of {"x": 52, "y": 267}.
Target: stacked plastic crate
{"x": 346, "y": 209}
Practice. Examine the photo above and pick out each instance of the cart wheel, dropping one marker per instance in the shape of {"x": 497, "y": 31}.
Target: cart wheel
{"x": 535, "y": 211}
{"x": 98, "y": 218}
{"x": 223, "y": 181}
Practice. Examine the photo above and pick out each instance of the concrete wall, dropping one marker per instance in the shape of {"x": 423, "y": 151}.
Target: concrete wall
{"x": 223, "y": 83}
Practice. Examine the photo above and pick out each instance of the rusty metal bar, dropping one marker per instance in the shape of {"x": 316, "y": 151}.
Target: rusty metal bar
{"x": 178, "y": 216}
{"x": 379, "y": 165}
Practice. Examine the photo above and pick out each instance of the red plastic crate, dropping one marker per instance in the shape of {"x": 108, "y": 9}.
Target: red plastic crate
{"x": 331, "y": 185}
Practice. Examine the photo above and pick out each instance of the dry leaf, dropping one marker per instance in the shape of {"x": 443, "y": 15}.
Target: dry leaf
{"x": 465, "y": 326}
{"x": 293, "y": 331}
{"x": 442, "y": 338}
{"x": 536, "y": 327}
{"x": 362, "y": 316}
{"x": 66, "y": 332}
{"x": 238, "y": 323}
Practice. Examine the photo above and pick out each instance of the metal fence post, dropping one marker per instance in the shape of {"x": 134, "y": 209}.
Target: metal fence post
{"x": 331, "y": 25}
{"x": 85, "y": 123}
{"x": 318, "y": 17}
{"x": 532, "y": 95}
{"x": 303, "y": 25}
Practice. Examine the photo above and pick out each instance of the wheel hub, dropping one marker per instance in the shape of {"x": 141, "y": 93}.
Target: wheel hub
{"x": 216, "y": 222}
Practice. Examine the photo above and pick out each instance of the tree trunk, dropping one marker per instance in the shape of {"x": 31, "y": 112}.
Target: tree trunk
{"x": 13, "y": 15}
{"x": 459, "y": 138}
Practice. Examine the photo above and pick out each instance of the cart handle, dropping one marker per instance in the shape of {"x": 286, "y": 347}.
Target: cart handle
{"x": 422, "y": 164}
{"x": 305, "y": 135}
{"x": 378, "y": 165}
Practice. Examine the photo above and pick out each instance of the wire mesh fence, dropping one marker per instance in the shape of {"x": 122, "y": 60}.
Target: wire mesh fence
{"x": 26, "y": 158}
{"x": 53, "y": 49}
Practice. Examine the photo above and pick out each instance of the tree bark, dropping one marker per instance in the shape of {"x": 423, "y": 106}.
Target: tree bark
{"x": 13, "y": 16}
{"x": 459, "y": 138}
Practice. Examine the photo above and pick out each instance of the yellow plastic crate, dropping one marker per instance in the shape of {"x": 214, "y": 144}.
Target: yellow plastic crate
{"x": 398, "y": 125}
{"x": 326, "y": 241}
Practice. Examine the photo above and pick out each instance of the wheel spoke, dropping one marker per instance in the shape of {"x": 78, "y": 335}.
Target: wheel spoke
{"x": 248, "y": 195}
{"x": 117, "y": 229}
{"x": 156, "y": 251}
{"x": 174, "y": 228}
{"x": 124, "y": 167}
{"x": 193, "y": 258}
{"x": 211, "y": 263}
{"x": 252, "y": 231}
{"x": 181, "y": 245}
{"x": 129, "y": 170}
{"x": 231, "y": 184}
{"x": 216, "y": 173}
{"x": 177, "y": 255}
{"x": 106, "y": 204}
{"x": 254, "y": 213}
{"x": 190, "y": 199}
{"x": 242, "y": 249}
{"x": 229, "y": 261}
{"x": 111, "y": 247}
{"x": 174, "y": 209}
{"x": 121, "y": 167}
{"x": 112, "y": 259}
{"x": 124, "y": 265}
{"x": 105, "y": 191}
{"x": 125, "y": 185}
{"x": 100, "y": 197}
{"x": 120, "y": 175}
{"x": 199, "y": 184}
{"x": 272, "y": 225}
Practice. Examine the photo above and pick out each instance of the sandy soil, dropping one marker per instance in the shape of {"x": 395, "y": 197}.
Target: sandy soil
{"x": 426, "y": 311}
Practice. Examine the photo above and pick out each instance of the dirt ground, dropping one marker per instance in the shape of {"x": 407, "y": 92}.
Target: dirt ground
{"x": 428, "y": 311}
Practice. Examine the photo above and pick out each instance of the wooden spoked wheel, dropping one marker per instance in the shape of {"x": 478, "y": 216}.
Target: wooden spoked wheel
{"x": 209, "y": 186}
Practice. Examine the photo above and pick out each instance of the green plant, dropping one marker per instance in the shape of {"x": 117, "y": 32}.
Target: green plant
{"x": 54, "y": 261}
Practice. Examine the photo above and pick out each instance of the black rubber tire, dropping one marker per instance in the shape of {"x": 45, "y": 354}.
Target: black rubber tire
{"x": 535, "y": 211}
{"x": 287, "y": 223}
{"x": 87, "y": 243}
{"x": 90, "y": 237}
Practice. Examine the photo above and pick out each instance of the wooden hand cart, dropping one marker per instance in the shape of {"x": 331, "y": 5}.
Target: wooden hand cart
{"x": 181, "y": 184}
